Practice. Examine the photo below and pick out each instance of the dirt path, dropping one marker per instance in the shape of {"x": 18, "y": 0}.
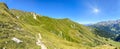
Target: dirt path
{"x": 40, "y": 43}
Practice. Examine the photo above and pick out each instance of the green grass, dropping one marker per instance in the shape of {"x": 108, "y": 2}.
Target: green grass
{"x": 56, "y": 33}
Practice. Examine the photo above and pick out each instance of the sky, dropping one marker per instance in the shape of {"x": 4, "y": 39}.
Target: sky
{"x": 81, "y": 11}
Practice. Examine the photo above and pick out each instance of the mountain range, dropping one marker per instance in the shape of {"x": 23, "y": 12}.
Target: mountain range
{"x": 111, "y": 27}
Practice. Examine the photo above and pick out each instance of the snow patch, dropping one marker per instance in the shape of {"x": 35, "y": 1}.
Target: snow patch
{"x": 16, "y": 40}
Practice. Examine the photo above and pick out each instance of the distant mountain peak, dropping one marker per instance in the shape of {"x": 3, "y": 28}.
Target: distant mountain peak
{"x": 111, "y": 27}
{"x": 110, "y": 22}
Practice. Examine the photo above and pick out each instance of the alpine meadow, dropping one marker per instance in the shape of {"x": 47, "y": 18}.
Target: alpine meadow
{"x": 21, "y": 29}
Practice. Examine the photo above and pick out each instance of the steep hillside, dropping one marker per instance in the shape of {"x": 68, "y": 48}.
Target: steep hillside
{"x": 28, "y": 30}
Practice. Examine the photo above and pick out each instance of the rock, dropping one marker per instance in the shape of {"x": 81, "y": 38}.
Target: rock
{"x": 34, "y": 15}
{"x": 16, "y": 40}
{"x": 6, "y": 42}
{"x": 17, "y": 17}
{"x": 73, "y": 26}
{"x": 3, "y": 48}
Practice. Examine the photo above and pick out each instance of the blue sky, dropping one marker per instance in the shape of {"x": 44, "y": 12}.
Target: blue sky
{"x": 81, "y": 11}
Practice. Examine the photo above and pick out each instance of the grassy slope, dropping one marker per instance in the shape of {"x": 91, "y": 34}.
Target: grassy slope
{"x": 56, "y": 33}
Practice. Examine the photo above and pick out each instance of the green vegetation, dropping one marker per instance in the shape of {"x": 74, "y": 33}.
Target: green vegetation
{"x": 55, "y": 33}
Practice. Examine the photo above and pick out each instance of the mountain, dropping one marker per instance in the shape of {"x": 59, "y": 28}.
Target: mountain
{"x": 112, "y": 28}
{"x": 28, "y": 30}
